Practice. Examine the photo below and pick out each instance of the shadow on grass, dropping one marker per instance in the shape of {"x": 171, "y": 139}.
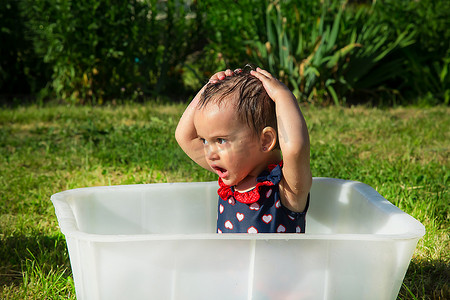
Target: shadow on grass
{"x": 426, "y": 280}
{"x": 47, "y": 252}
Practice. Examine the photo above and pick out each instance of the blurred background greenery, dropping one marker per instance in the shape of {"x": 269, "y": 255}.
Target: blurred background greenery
{"x": 343, "y": 52}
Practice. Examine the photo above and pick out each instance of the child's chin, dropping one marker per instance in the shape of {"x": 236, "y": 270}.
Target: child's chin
{"x": 229, "y": 182}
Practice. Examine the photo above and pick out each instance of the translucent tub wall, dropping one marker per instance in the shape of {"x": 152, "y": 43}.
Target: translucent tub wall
{"x": 158, "y": 241}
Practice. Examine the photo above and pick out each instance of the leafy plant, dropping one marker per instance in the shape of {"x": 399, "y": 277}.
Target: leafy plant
{"x": 428, "y": 59}
{"x": 227, "y": 25}
{"x": 21, "y": 70}
{"x": 303, "y": 55}
{"x": 101, "y": 50}
{"x": 378, "y": 61}
{"x": 345, "y": 50}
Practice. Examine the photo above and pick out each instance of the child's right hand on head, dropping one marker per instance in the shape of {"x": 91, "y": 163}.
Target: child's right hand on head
{"x": 222, "y": 75}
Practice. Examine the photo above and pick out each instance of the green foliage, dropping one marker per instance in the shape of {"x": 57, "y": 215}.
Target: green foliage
{"x": 93, "y": 51}
{"x": 309, "y": 54}
{"x": 340, "y": 52}
{"x": 105, "y": 49}
{"x": 21, "y": 70}
{"x": 228, "y": 24}
{"x": 428, "y": 59}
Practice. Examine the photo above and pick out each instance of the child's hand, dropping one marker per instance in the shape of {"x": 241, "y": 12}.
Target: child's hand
{"x": 222, "y": 75}
{"x": 274, "y": 88}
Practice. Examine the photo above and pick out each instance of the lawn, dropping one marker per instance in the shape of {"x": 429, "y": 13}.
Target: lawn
{"x": 402, "y": 152}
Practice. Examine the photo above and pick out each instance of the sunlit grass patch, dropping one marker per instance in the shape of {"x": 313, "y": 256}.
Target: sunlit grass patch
{"x": 401, "y": 152}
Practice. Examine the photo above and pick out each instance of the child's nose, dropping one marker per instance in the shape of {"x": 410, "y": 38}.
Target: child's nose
{"x": 212, "y": 153}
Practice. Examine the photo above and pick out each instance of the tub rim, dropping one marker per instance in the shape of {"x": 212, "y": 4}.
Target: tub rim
{"x": 68, "y": 226}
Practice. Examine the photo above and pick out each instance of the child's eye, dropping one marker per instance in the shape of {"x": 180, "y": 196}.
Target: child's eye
{"x": 221, "y": 141}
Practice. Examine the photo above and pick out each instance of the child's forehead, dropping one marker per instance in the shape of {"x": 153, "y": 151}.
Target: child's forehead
{"x": 220, "y": 110}
{"x": 226, "y": 104}
{"x": 224, "y": 113}
{"x": 218, "y": 122}
{"x": 229, "y": 101}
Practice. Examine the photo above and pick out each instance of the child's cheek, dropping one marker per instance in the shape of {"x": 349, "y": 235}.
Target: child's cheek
{"x": 225, "y": 146}
{"x": 224, "y": 151}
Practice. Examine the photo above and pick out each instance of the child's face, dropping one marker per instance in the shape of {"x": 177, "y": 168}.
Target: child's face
{"x": 231, "y": 147}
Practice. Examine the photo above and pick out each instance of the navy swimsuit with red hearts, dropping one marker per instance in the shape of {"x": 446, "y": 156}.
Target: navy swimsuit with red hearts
{"x": 259, "y": 210}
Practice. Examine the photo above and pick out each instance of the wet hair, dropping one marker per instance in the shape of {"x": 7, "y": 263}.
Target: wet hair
{"x": 246, "y": 92}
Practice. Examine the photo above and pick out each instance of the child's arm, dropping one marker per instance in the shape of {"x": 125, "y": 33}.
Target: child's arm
{"x": 294, "y": 143}
{"x": 186, "y": 134}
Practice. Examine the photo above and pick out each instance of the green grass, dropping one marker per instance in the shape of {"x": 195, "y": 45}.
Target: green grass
{"x": 402, "y": 152}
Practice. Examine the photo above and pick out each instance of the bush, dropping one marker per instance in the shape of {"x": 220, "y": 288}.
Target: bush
{"x": 428, "y": 58}
{"x": 21, "y": 71}
{"x": 105, "y": 49}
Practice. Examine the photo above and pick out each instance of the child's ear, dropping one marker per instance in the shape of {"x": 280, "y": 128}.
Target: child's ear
{"x": 268, "y": 139}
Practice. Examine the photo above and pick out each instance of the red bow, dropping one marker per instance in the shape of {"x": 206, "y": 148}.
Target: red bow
{"x": 225, "y": 192}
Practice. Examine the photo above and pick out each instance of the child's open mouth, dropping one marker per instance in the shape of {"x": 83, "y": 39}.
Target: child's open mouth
{"x": 220, "y": 171}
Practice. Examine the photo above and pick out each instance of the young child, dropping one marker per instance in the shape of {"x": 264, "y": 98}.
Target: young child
{"x": 248, "y": 128}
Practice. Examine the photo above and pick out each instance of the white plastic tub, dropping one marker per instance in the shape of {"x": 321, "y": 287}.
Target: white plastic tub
{"x": 158, "y": 241}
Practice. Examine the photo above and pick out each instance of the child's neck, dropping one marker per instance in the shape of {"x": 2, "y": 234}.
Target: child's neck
{"x": 249, "y": 182}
